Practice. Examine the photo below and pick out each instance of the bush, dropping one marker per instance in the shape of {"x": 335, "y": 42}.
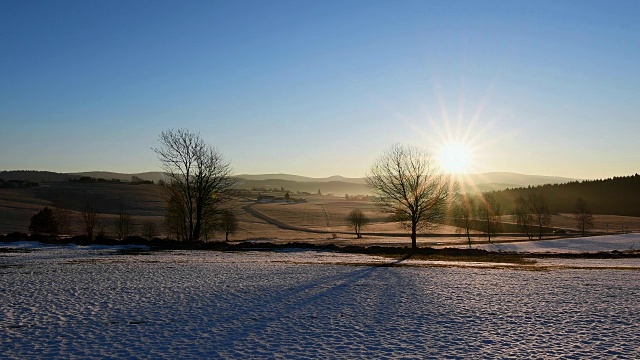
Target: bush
{"x": 14, "y": 236}
{"x": 44, "y": 222}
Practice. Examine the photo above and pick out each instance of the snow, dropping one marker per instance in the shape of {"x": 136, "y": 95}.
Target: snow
{"x": 622, "y": 242}
{"x": 83, "y": 302}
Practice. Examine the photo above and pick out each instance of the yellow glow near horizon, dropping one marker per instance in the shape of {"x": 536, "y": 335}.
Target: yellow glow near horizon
{"x": 455, "y": 157}
{"x": 460, "y": 141}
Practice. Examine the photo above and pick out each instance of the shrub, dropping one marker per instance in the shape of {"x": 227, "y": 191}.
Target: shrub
{"x": 44, "y": 222}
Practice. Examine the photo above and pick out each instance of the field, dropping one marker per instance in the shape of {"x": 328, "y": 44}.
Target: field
{"x": 69, "y": 301}
{"x": 143, "y": 202}
{"x": 320, "y": 219}
{"x": 93, "y": 302}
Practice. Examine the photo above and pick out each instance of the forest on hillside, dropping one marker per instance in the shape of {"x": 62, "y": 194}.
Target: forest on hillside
{"x": 613, "y": 196}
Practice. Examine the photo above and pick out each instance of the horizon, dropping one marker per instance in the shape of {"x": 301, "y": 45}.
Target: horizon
{"x": 470, "y": 174}
{"x": 542, "y": 88}
{"x": 318, "y": 177}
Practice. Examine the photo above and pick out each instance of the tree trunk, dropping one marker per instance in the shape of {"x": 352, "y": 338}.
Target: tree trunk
{"x": 197, "y": 228}
{"x": 414, "y": 231}
{"x": 190, "y": 227}
{"x": 540, "y": 233}
{"x": 196, "y": 232}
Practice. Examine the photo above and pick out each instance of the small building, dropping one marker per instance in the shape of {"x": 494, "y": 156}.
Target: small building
{"x": 263, "y": 199}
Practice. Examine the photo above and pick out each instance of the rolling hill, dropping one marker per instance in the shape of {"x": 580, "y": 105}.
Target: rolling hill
{"x": 340, "y": 185}
{"x": 148, "y": 176}
{"x": 336, "y": 184}
{"x": 288, "y": 177}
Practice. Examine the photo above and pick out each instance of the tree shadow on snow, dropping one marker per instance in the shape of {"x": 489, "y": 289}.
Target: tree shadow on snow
{"x": 396, "y": 262}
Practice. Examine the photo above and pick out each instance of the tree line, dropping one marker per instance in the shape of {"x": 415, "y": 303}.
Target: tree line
{"x": 613, "y": 196}
{"x": 482, "y": 212}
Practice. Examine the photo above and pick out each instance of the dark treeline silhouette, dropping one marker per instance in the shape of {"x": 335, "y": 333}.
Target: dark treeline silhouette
{"x": 92, "y": 179}
{"x": 138, "y": 181}
{"x": 613, "y": 196}
{"x": 35, "y": 176}
{"x": 17, "y": 184}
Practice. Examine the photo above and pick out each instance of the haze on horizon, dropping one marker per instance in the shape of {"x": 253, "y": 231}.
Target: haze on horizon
{"x": 319, "y": 89}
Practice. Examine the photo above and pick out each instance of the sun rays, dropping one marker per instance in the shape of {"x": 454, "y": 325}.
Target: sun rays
{"x": 461, "y": 139}
{"x": 455, "y": 157}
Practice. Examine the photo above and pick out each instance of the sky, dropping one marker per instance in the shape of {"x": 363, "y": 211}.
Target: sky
{"x": 321, "y": 88}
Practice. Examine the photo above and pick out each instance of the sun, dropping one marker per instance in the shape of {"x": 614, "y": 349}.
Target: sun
{"x": 455, "y": 158}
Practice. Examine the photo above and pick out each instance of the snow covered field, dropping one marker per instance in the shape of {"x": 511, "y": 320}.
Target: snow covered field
{"x": 88, "y": 302}
{"x": 622, "y": 242}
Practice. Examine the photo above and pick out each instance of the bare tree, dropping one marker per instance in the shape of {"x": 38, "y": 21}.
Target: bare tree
{"x": 198, "y": 175}
{"x": 539, "y": 211}
{"x": 410, "y": 187}
{"x": 357, "y": 219}
{"x": 522, "y": 215}
{"x": 124, "y": 225}
{"x": 464, "y": 211}
{"x": 228, "y": 223}
{"x": 89, "y": 219}
{"x": 175, "y": 215}
{"x": 489, "y": 212}
{"x": 584, "y": 217}
{"x": 210, "y": 224}
{"x": 149, "y": 230}
{"x": 62, "y": 216}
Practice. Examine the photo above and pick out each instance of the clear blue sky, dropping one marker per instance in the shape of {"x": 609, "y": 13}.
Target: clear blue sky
{"x": 319, "y": 88}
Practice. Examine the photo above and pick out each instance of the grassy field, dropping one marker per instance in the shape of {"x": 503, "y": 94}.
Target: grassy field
{"x": 320, "y": 219}
{"x": 143, "y": 202}
{"x": 326, "y": 213}
{"x": 319, "y": 212}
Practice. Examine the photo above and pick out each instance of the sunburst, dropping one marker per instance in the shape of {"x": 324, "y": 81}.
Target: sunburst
{"x": 455, "y": 157}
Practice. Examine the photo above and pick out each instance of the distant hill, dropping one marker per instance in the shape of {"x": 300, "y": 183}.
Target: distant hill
{"x": 148, "y": 176}
{"x": 508, "y": 179}
{"x": 35, "y": 176}
{"x": 336, "y": 184}
{"x": 298, "y": 178}
{"x": 338, "y": 188}
{"x": 340, "y": 185}
{"x": 494, "y": 181}
{"x": 48, "y": 176}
